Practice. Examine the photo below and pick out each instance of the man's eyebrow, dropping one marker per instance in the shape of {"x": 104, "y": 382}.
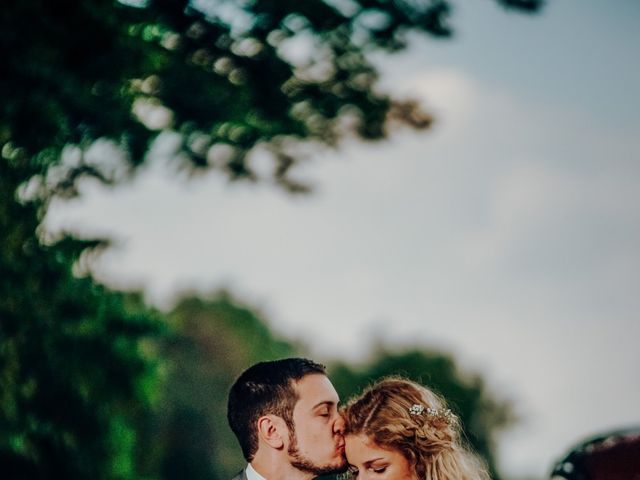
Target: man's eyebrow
{"x": 328, "y": 403}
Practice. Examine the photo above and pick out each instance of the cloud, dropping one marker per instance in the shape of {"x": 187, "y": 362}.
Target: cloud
{"x": 448, "y": 93}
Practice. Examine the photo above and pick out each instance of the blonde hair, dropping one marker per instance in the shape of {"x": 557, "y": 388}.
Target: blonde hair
{"x": 430, "y": 440}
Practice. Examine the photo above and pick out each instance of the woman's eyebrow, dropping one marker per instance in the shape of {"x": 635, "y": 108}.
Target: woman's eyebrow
{"x": 368, "y": 463}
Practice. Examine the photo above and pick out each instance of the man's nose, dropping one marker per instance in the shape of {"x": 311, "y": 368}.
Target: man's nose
{"x": 338, "y": 426}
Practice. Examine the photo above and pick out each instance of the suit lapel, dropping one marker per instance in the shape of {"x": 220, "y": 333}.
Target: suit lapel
{"x": 242, "y": 475}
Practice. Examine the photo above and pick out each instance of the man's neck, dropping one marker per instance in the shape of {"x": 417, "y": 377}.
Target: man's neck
{"x": 277, "y": 469}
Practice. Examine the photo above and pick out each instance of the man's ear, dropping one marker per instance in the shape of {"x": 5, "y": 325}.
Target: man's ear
{"x": 273, "y": 431}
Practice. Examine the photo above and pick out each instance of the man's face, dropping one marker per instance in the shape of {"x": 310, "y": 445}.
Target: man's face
{"x": 317, "y": 443}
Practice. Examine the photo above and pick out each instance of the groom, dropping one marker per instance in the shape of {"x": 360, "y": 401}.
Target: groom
{"x": 285, "y": 415}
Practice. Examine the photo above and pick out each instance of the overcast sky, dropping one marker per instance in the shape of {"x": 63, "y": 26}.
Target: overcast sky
{"x": 509, "y": 234}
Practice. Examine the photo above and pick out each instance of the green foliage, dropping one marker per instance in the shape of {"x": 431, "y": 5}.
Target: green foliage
{"x": 231, "y": 74}
{"x": 482, "y": 415}
{"x": 72, "y": 370}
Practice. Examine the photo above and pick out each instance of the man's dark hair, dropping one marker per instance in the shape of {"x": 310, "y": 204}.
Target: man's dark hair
{"x": 265, "y": 388}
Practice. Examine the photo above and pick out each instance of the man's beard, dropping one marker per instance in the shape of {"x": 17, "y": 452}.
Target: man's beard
{"x": 306, "y": 465}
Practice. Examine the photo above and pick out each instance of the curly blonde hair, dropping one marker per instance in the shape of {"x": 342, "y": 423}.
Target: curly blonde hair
{"x": 430, "y": 440}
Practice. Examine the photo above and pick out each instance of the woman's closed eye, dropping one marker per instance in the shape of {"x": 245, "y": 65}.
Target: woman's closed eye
{"x": 353, "y": 471}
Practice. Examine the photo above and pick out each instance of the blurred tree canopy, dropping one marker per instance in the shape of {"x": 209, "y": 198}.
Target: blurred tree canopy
{"x": 79, "y": 362}
{"x": 73, "y": 374}
{"x": 224, "y": 75}
{"x": 212, "y": 341}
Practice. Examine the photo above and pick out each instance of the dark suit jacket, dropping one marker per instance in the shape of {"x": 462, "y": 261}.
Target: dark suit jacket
{"x": 241, "y": 476}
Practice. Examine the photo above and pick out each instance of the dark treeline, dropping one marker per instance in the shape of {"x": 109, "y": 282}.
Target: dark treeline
{"x": 143, "y": 395}
{"x": 213, "y": 340}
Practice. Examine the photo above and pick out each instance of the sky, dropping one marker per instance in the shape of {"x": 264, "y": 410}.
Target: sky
{"x": 508, "y": 234}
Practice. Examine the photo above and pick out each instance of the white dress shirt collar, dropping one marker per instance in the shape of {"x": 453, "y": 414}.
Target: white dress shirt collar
{"x": 252, "y": 474}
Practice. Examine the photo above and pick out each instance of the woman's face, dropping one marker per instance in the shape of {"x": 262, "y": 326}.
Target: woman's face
{"x": 370, "y": 461}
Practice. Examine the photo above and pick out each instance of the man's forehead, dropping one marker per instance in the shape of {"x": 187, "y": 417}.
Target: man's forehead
{"x": 316, "y": 388}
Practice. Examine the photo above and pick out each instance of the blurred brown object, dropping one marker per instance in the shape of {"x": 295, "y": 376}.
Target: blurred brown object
{"x": 612, "y": 456}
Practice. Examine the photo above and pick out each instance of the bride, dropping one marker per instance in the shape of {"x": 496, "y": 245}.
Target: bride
{"x": 399, "y": 430}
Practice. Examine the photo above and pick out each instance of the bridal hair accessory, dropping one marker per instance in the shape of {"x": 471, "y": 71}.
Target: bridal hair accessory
{"x": 445, "y": 414}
